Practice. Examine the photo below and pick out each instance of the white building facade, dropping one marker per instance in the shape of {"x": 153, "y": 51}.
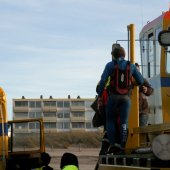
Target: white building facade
{"x": 59, "y": 114}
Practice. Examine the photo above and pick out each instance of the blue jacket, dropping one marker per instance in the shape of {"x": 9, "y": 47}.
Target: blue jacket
{"x": 122, "y": 65}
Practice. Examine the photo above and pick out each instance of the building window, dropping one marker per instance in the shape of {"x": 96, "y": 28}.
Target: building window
{"x": 77, "y": 114}
{"x": 88, "y": 104}
{"x": 49, "y": 125}
{"x": 59, "y": 125}
{"x": 50, "y": 114}
{"x": 32, "y": 125}
{"x": 38, "y": 114}
{"x": 21, "y": 103}
{"x": 66, "y": 125}
{"x": 66, "y": 115}
{"x": 50, "y": 103}
{"x": 35, "y": 104}
{"x": 60, "y": 115}
{"x": 77, "y": 125}
{"x": 66, "y": 104}
{"x": 38, "y": 104}
{"x": 32, "y": 104}
{"x": 88, "y": 125}
{"x": 37, "y": 126}
{"x": 78, "y": 103}
{"x": 21, "y": 125}
{"x": 21, "y": 114}
{"x": 60, "y": 104}
{"x": 89, "y": 115}
{"x": 32, "y": 115}
{"x": 35, "y": 115}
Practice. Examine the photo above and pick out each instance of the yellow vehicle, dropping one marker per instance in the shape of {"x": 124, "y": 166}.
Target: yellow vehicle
{"x": 155, "y": 61}
{"x": 19, "y": 149}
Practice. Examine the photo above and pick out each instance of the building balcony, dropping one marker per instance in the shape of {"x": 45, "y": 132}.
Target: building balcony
{"x": 51, "y": 119}
{"x": 77, "y": 119}
{"x": 21, "y": 109}
{"x": 78, "y": 129}
{"x": 19, "y": 130}
{"x": 50, "y": 130}
{"x": 77, "y": 108}
{"x": 19, "y": 118}
{"x": 49, "y": 109}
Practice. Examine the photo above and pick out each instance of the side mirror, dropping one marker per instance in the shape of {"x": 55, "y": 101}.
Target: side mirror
{"x": 164, "y": 38}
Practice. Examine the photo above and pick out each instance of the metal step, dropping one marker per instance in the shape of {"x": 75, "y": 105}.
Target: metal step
{"x": 137, "y": 160}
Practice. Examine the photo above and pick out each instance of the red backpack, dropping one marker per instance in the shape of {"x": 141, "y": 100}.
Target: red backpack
{"x": 121, "y": 79}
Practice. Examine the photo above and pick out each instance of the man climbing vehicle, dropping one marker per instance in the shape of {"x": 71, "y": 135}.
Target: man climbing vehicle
{"x": 120, "y": 71}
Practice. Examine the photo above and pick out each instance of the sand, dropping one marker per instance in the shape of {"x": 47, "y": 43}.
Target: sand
{"x": 87, "y": 157}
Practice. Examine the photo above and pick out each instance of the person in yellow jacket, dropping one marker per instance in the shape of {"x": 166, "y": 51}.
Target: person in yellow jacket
{"x": 45, "y": 161}
{"x": 70, "y": 167}
{"x": 69, "y": 161}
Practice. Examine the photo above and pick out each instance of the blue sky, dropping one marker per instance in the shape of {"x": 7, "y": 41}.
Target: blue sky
{"x": 60, "y": 47}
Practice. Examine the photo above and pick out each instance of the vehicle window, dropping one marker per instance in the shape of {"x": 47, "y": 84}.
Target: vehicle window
{"x": 144, "y": 58}
{"x": 168, "y": 60}
{"x": 24, "y": 136}
{"x": 158, "y": 52}
{"x": 151, "y": 58}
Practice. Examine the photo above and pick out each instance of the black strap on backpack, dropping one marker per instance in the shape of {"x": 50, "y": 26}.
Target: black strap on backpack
{"x": 121, "y": 79}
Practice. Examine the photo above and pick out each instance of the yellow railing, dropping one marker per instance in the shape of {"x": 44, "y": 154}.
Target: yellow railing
{"x": 3, "y": 129}
{"x": 133, "y": 139}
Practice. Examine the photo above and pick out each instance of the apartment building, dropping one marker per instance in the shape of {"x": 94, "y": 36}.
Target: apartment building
{"x": 59, "y": 114}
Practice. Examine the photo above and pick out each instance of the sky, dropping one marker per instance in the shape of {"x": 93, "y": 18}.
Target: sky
{"x": 60, "y": 47}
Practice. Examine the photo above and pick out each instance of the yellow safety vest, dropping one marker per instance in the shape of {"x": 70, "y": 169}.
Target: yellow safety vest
{"x": 70, "y": 167}
{"x": 41, "y": 168}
